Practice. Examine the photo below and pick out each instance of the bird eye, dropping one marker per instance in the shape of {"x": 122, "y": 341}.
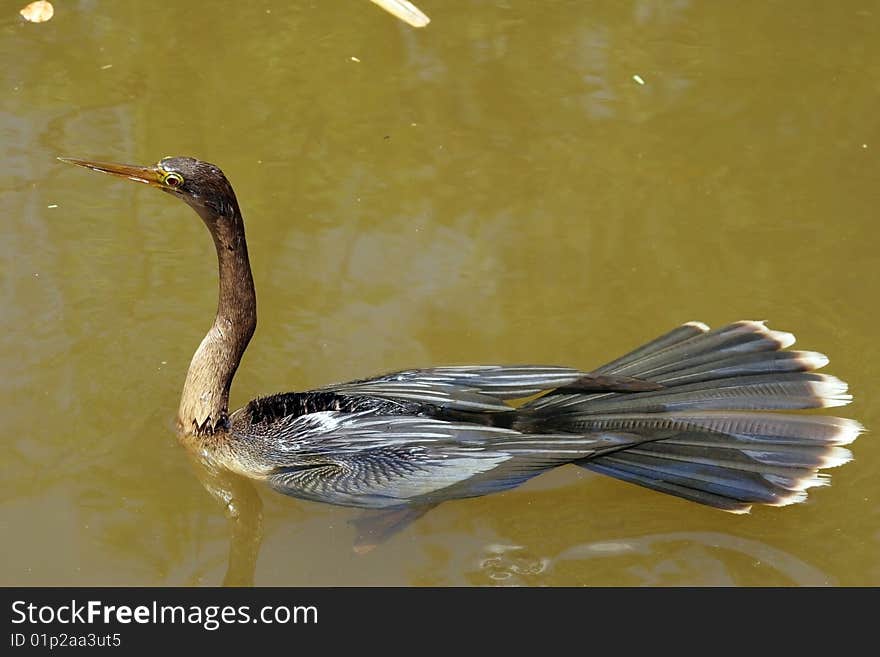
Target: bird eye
{"x": 173, "y": 179}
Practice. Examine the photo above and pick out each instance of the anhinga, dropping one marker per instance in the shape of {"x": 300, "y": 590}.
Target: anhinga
{"x": 685, "y": 414}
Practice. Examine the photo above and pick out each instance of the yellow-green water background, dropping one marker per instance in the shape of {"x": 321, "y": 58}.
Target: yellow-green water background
{"x": 495, "y": 188}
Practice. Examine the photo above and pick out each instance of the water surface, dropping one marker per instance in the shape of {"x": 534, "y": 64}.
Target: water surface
{"x": 499, "y": 187}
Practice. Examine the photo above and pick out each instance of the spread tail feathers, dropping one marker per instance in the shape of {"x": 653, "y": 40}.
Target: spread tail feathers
{"x": 706, "y": 435}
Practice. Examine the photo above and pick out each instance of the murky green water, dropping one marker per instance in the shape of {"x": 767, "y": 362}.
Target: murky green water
{"x": 495, "y": 188}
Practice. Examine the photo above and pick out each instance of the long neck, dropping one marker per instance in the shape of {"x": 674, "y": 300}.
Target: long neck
{"x": 204, "y": 404}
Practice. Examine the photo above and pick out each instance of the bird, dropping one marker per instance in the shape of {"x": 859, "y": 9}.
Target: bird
{"x": 701, "y": 414}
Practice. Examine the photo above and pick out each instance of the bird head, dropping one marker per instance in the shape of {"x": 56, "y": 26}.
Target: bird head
{"x": 201, "y": 185}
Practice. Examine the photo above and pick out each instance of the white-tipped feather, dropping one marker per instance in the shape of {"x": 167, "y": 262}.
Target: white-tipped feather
{"x": 800, "y": 484}
{"x": 740, "y": 512}
{"x": 812, "y": 360}
{"x": 784, "y": 338}
{"x": 698, "y": 325}
{"x": 831, "y": 391}
{"x": 817, "y": 480}
{"x": 836, "y": 456}
{"x": 796, "y": 497}
{"x": 848, "y": 431}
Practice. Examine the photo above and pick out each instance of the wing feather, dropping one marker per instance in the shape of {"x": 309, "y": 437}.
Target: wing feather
{"x": 358, "y": 459}
{"x": 483, "y": 388}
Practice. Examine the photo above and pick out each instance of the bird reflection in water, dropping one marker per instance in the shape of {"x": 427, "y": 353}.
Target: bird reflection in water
{"x": 243, "y": 509}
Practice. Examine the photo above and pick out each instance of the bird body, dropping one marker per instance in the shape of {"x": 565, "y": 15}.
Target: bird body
{"x": 697, "y": 413}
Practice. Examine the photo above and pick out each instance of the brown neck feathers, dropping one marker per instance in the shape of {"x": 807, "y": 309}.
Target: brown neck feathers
{"x": 204, "y": 404}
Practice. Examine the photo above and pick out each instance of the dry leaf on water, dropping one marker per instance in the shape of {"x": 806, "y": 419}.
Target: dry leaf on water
{"x": 38, "y": 12}
{"x": 405, "y": 11}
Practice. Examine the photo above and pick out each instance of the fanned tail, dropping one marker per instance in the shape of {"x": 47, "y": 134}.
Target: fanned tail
{"x": 706, "y": 435}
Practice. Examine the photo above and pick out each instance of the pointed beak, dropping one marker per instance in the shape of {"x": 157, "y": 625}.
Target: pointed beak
{"x": 147, "y": 175}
